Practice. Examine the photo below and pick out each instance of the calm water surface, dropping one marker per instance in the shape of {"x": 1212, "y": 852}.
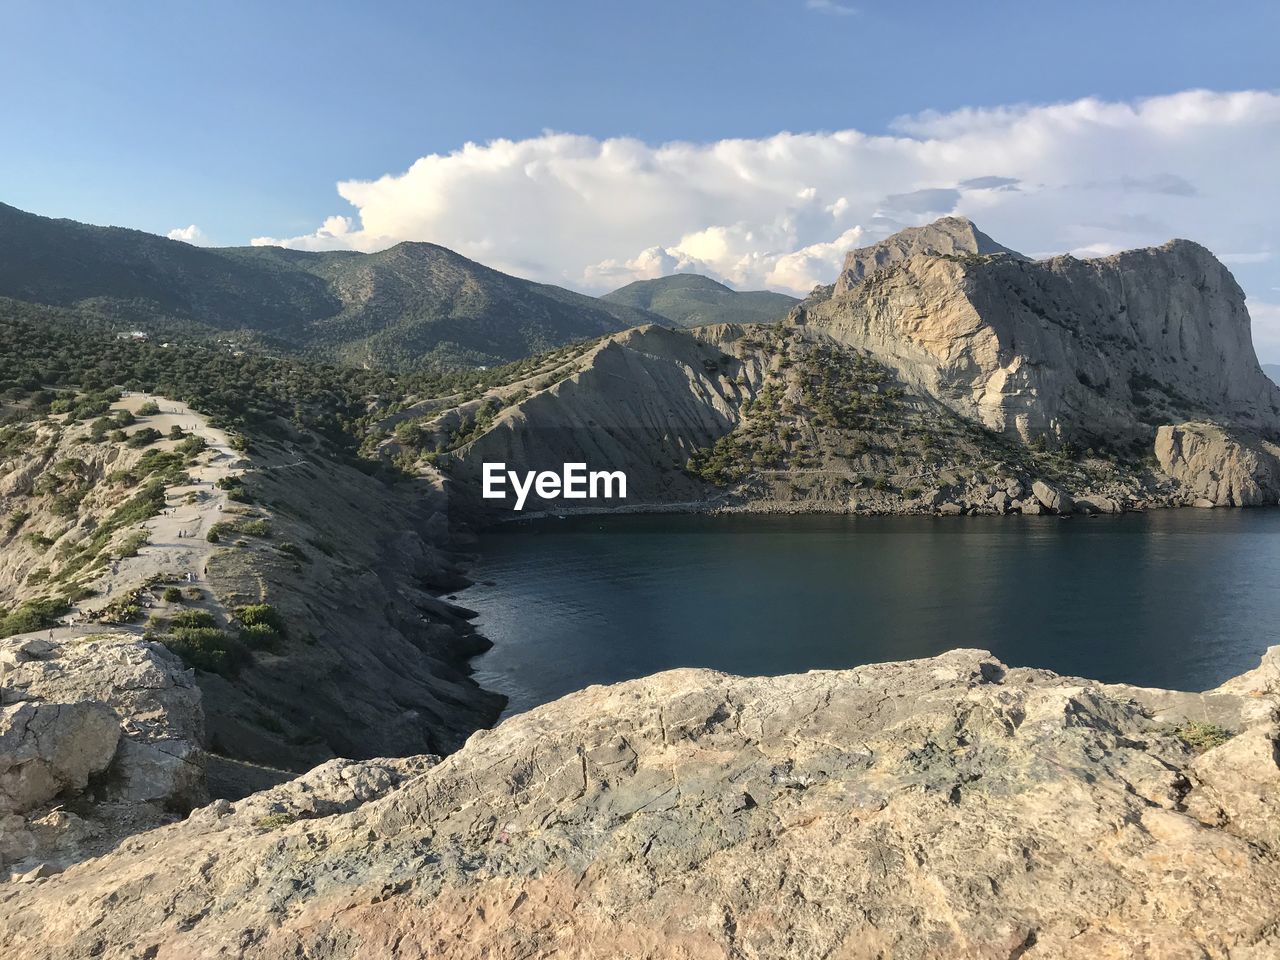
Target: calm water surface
{"x": 1180, "y": 599}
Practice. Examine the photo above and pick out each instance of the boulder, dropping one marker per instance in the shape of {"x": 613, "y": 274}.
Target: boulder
{"x": 51, "y": 749}
{"x": 1222, "y": 467}
{"x": 1051, "y": 498}
{"x": 113, "y": 710}
{"x": 1097, "y": 503}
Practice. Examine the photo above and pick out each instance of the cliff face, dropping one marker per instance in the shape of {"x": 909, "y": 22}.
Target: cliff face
{"x": 642, "y": 401}
{"x": 948, "y": 237}
{"x": 1091, "y": 351}
{"x": 949, "y": 807}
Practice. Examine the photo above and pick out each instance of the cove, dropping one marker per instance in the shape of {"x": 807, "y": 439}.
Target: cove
{"x": 1174, "y": 598}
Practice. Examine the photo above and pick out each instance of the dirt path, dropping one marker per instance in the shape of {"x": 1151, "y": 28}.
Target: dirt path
{"x": 178, "y": 548}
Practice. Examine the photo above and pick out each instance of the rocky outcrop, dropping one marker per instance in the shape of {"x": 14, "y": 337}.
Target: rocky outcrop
{"x": 1225, "y": 468}
{"x": 1096, "y": 352}
{"x": 949, "y": 807}
{"x": 641, "y": 402}
{"x": 99, "y": 738}
{"x": 948, "y": 237}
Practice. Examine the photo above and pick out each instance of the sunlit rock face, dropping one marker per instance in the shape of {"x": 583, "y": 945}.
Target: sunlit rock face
{"x": 1085, "y": 350}
{"x": 951, "y": 806}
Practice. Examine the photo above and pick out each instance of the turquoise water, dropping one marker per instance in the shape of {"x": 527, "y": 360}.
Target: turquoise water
{"x": 1180, "y": 599}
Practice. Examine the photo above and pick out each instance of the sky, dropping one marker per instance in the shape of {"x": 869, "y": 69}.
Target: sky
{"x": 592, "y": 143}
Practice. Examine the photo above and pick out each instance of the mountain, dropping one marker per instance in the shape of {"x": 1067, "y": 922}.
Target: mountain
{"x": 691, "y": 300}
{"x": 948, "y": 237}
{"x": 953, "y": 381}
{"x": 394, "y": 307}
{"x": 1096, "y": 351}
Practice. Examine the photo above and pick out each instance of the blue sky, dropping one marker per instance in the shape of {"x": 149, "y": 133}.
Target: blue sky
{"x": 242, "y": 116}
{"x": 242, "y": 119}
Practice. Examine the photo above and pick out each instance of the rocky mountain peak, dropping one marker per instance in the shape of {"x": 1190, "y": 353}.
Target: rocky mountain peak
{"x": 950, "y": 236}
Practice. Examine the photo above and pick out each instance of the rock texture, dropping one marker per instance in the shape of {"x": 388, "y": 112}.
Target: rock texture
{"x": 1225, "y": 467}
{"x": 1093, "y": 351}
{"x": 99, "y": 738}
{"x": 949, "y": 807}
{"x": 948, "y": 237}
{"x": 641, "y": 402}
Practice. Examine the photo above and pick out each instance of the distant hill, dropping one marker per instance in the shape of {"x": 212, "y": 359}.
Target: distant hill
{"x": 398, "y": 306}
{"x": 691, "y": 300}
{"x": 1272, "y": 370}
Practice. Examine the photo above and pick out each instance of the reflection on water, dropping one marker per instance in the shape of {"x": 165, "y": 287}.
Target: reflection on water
{"x": 1173, "y": 598}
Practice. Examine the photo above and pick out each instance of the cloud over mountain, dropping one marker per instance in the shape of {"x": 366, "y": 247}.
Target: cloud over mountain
{"x": 780, "y": 211}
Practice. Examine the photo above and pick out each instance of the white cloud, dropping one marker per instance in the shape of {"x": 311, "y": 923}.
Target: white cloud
{"x": 831, "y": 7}
{"x": 189, "y": 234}
{"x": 1088, "y": 176}
{"x": 1266, "y": 329}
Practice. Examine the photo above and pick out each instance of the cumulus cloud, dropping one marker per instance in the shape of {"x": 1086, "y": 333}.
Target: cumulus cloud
{"x": 189, "y": 234}
{"x": 1088, "y": 176}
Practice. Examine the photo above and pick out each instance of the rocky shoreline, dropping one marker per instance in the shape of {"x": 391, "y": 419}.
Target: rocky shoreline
{"x": 953, "y": 806}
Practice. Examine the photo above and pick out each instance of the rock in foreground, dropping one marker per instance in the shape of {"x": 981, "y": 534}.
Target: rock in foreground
{"x": 950, "y": 807}
{"x": 100, "y": 737}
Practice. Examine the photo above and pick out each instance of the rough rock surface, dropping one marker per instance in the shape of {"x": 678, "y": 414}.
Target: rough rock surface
{"x": 949, "y": 807}
{"x": 950, "y": 236}
{"x": 641, "y": 402}
{"x": 99, "y": 738}
{"x": 1228, "y": 468}
{"x": 1093, "y": 351}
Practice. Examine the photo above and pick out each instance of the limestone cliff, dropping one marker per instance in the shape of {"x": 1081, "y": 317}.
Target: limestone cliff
{"x": 941, "y": 373}
{"x": 949, "y": 807}
{"x": 1219, "y": 467}
{"x": 764, "y": 418}
{"x": 1093, "y": 351}
{"x": 948, "y": 237}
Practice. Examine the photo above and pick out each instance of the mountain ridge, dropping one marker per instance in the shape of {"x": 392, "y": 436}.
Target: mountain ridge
{"x": 691, "y": 299}
{"x": 394, "y": 307}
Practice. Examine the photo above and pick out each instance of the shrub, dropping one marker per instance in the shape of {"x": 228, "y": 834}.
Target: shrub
{"x": 194, "y": 618}
{"x": 99, "y": 428}
{"x": 324, "y": 546}
{"x": 207, "y": 648}
{"x": 263, "y": 627}
{"x": 176, "y": 432}
{"x": 149, "y": 409}
{"x": 38, "y": 540}
{"x": 261, "y": 614}
{"x": 172, "y": 595}
{"x": 294, "y": 551}
{"x": 132, "y": 544}
{"x": 33, "y": 615}
{"x": 274, "y": 821}
{"x": 1200, "y": 735}
{"x": 143, "y": 438}
{"x": 256, "y": 528}
{"x": 67, "y": 504}
{"x": 190, "y": 446}
{"x": 259, "y": 636}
